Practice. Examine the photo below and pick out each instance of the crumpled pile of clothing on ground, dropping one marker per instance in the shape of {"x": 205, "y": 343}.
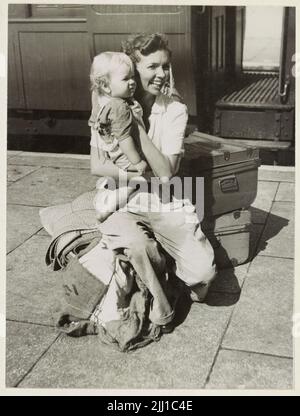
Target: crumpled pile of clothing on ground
{"x": 117, "y": 312}
{"x": 115, "y": 306}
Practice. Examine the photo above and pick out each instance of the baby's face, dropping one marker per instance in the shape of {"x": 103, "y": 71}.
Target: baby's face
{"x": 122, "y": 83}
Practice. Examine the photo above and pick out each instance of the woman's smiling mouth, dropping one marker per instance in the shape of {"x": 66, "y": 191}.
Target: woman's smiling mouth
{"x": 156, "y": 84}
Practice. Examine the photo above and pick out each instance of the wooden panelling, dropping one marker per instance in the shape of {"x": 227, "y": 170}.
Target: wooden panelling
{"x": 184, "y": 72}
{"x": 18, "y": 10}
{"x": 132, "y": 19}
{"x": 48, "y": 65}
{"x": 15, "y": 92}
{"x": 55, "y": 70}
{"x": 235, "y": 28}
{"x": 239, "y": 37}
{"x": 287, "y": 57}
{"x": 107, "y": 42}
{"x": 217, "y": 63}
{"x": 57, "y": 10}
{"x": 218, "y": 39}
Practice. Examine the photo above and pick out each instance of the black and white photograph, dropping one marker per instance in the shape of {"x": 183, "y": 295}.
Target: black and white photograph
{"x": 154, "y": 249}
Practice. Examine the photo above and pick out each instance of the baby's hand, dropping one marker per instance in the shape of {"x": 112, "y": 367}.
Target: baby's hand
{"x": 137, "y": 111}
{"x": 148, "y": 174}
{"x": 141, "y": 166}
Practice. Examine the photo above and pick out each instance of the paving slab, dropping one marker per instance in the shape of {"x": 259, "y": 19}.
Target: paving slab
{"x": 12, "y": 153}
{"x": 278, "y": 237}
{"x": 276, "y": 175}
{"x": 242, "y": 370}
{"x": 43, "y": 232}
{"x": 261, "y": 206}
{"x": 262, "y": 320}
{"x": 15, "y": 173}
{"x": 32, "y": 159}
{"x": 286, "y": 192}
{"x": 21, "y": 223}
{"x": 33, "y": 290}
{"x": 50, "y": 186}
{"x": 181, "y": 359}
{"x": 25, "y": 343}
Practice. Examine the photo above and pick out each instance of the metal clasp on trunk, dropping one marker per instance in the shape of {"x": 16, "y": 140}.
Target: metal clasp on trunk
{"x": 229, "y": 184}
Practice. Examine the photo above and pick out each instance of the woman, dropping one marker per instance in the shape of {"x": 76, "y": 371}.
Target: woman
{"x": 148, "y": 226}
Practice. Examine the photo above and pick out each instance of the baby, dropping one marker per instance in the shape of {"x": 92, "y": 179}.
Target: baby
{"x": 115, "y": 130}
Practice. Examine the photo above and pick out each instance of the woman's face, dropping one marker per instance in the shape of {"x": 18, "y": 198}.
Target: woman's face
{"x": 154, "y": 71}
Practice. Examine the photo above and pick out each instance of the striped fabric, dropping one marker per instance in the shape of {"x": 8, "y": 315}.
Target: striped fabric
{"x": 69, "y": 224}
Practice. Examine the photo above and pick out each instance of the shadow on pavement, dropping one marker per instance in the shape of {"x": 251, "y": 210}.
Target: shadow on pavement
{"x": 273, "y": 226}
{"x": 225, "y": 290}
{"x": 182, "y": 309}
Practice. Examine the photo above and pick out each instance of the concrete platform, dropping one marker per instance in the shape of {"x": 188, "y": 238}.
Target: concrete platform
{"x": 240, "y": 338}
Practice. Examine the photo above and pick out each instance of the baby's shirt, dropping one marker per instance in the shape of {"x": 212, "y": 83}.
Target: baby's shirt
{"x": 112, "y": 122}
{"x": 115, "y": 119}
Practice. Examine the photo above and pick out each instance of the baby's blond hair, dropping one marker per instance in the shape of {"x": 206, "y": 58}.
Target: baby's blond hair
{"x": 102, "y": 66}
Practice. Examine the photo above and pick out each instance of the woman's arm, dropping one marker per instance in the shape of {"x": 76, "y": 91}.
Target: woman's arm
{"x": 163, "y": 166}
{"x": 129, "y": 149}
{"x": 165, "y": 162}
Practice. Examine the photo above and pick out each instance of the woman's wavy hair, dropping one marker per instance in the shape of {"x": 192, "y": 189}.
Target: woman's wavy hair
{"x": 145, "y": 44}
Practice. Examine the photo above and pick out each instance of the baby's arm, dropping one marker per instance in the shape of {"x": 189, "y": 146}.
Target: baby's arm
{"x": 128, "y": 148}
{"x": 123, "y": 127}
